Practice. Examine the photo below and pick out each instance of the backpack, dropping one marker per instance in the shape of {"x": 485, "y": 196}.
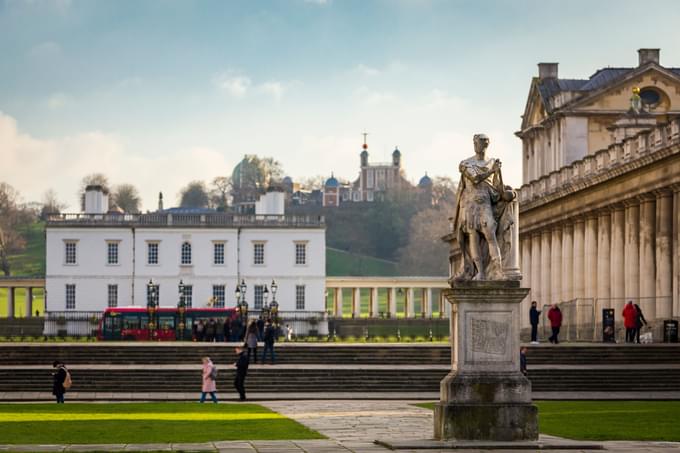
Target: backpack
{"x": 67, "y": 380}
{"x": 213, "y": 373}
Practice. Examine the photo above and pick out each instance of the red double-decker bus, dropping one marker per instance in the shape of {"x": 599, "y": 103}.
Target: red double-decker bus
{"x": 132, "y": 323}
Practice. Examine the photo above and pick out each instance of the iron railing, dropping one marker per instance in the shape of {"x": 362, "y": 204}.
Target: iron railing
{"x": 216, "y": 219}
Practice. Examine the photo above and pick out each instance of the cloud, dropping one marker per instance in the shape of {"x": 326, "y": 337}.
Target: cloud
{"x": 365, "y": 70}
{"x": 57, "y": 101}
{"x": 274, "y": 89}
{"x": 373, "y": 98}
{"x": 232, "y": 84}
{"x": 33, "y": 165}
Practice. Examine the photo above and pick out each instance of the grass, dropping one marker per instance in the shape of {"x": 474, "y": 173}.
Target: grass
{"x": 607, "y": 420}
{"x": 31, "y": 261}
{"x": 92, "y": 423}
{"x": 341, "y": 263}
{"x": 20, "y": 307}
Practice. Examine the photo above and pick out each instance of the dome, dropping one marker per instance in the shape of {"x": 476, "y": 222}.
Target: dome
{"x": 287, "y": 180}
{"x": 364, "y": 153}
{"x": 245, "y": 173}
{"x": 425, "y": 181}
{"x": 331, "y": 182}
{"x": 396, "y": 152}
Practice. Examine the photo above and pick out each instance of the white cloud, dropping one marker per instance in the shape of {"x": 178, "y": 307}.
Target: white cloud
{"x": 234, "y": 85}
{"x": 57, "y": 101}
{"x": 33, "y": 165}
{"x": 365, "y": 70}
{"x": 373, "y": 98}
{"x": 274, "y": 89}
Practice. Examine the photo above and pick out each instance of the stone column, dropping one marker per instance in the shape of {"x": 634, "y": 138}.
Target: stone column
{"x": 427, "y": 300}
{"x": 664, "y": 258}
{"x": 617, "y": 281}
{"x": 632, "y": 250}
{"x": 526, "y": 278}
{"x": 409, "y": 308}
{"x": 511, "y": 259}
{"x": 676, "y": 250}
{"x": 338, "y": 302}
{"x": 536, "y": 267}
{"x": 392, "y": 302}
{"x": 647, "y": 256}
{"x": 356, "y": 302}
{"x": 546, "y": 237}
{"x": 603, "y": 263}
{"x": 579, "y": 259}
{"x": 29, "y": 302}
{"x": 10, "y": 302}
{"x": 567, "y": 261}
{"x": 590, "y": 261}
{"x": 375, "y": 303}
{"x": 556, "y": 264}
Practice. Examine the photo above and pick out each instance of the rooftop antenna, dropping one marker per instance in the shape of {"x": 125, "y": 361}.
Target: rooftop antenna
{"x": 365, "y": 144}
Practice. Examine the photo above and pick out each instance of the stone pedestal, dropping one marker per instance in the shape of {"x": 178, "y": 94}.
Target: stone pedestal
{"x": 485, "y": 397}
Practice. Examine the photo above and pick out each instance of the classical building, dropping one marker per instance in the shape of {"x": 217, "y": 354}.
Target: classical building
{"x": 600, "y": 203}
{"x": 96, "y": 260}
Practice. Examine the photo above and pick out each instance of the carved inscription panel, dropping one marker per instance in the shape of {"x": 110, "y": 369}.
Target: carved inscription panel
{"x": 487, "y": 337}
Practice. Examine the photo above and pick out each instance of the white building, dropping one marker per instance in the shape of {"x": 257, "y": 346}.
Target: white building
{"x": 97, "y": 260}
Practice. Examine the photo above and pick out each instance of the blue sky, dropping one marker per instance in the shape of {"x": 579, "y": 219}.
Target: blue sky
{"x": 159, "y": 93}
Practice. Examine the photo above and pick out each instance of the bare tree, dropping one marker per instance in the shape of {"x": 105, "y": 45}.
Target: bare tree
{"x": 443, "y": 190}
{"x": 11, "y": 220}
{"x": 126, "y": 197}
{"x": 219, "y": 195}
{"x": 51, "y": 204}
{"x": 314, "y": 182}
{"x": 194, "y": 195}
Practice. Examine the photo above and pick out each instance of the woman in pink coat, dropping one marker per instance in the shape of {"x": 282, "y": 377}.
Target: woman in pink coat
{"x": 209, "y": 377}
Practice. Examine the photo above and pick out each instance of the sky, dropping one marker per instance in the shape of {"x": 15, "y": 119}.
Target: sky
{"x": 160, "y": 93}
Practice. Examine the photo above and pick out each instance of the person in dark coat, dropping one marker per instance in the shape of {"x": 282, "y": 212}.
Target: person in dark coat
{"x": 534, "y": 316}
{"x": 555, "y": 317}
{"x": 241, "y": 365}
{"x": 251, "y": 341}
{"x": 58, "y": 378}
{"x": 227, "y": 329}
{"x": 260, "y": 328}
{"x": 269, "y": 338}
{"x": 210, "y": 330}
{"x": 639, "y": 322}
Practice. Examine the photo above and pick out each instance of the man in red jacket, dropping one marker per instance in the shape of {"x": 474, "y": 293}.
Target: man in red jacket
{"x": 555, "y": 317}
{"x": 630, "y": 321}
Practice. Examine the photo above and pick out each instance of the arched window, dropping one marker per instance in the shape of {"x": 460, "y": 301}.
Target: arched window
{"x": 186, "y": 253}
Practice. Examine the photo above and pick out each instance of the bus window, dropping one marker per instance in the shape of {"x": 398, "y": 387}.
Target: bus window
{"x": 131, "y": 321}
{"x": 166, "y": 322}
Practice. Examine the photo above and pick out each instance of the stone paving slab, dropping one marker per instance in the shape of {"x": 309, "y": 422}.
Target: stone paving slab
{"x": 429, "y": 444}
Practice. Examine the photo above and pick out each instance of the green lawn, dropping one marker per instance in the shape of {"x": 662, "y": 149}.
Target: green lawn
{"x": 341, "y": 263}
{"x": 88, "y": 423}
{"x": 31, "y": 261}
{"x": 20, "y": 307}
{"x": 607, "y": 420}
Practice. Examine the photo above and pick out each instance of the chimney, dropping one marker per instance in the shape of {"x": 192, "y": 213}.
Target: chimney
{"x": 648, "y": 56}
{"x": 547, "y": 71}
{"x": 96, "y": 200}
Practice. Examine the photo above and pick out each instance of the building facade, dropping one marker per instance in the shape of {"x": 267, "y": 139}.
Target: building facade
{"x": 600, "y": 204}
{"x": 98, "y": 260}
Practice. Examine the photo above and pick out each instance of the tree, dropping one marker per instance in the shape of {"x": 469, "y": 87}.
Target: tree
{"x": 126, "y": 197}
{"x": 194, "y": 195}
{"x": 443, "y": 190}
{"x": 314, "y": 182}
{"x": 51, "y": 204}
{"x": 12, "y": 218}
{"x": 219, "y": 195}
{"x": 93, "y": 179}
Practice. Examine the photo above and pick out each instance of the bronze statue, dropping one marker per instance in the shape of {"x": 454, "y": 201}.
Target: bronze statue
{"x": 483, "y": 221}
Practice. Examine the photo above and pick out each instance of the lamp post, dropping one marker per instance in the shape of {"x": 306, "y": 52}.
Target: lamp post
{"x": 265, "y": 305}
{"x": 181, "y": 312}
{"x": 242, "y": 305}
{"x": 274, "y": 306}
{"x": 152, "y": 309}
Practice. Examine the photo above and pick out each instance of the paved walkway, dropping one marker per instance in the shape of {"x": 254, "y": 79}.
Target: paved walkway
{"x": 351, "y": 426}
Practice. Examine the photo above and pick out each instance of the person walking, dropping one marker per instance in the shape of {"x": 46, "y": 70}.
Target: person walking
{"x": 269, "y": 339}
{"x": 629, "y": 314}
{"x": 241, "y": 365}
{"x": 251, "y": 341}
{"x": 639, "y": 322}
{"x": 260, "y": 328}
{"x": 534, "y": 316}
{"x": 209, "y": 380}
{"x": 61, "y": 380}
{"x": 555, "y": 317}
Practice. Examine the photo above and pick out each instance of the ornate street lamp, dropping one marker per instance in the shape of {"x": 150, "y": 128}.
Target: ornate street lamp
{"x": 243, "y": 305}
{"x": 265, "y": 305}
{"x": 151, "y": 308}
{"x": 274, "y": 306}
{"x": 181, "y": 311}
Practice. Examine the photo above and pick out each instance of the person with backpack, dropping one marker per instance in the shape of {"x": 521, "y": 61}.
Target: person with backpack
{"x": 209, "y": 380}
{"x": 269, "y": 339}
{"x": 639, "y": 322}
{"x": 61, "y": 381}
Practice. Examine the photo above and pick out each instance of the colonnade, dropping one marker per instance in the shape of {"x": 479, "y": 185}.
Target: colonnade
{"x": 388, "y": 297}
{"x": 29, "y": 284}
{"x": 605, "y": 257}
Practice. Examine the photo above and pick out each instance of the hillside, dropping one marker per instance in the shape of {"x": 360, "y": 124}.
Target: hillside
{"x": 32, "y": 260}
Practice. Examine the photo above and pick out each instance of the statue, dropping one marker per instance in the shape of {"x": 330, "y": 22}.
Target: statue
{"x": 484, "y": 217}
{"x": 636, "y": 101}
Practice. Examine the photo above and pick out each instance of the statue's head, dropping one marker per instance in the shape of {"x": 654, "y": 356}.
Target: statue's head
{"x": 481, "y": 142}
{"x": 636, "y": 91}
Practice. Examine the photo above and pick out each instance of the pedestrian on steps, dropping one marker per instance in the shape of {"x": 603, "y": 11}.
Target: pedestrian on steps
{"x": 555, "y": 317}
{"x": 639, "y": 322}
{"x": 534, "y": 316}
{"x": 241, "y": 365}
{"x": 61, "y": 380}
{"x": 209, "y": 380}
{"x": 629, "y": 321}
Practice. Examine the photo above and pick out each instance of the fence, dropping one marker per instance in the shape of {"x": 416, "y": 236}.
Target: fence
{"x": 303, "y": 323}
{"x": 72, "y": 323}
{"x": 390, "y": 328}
